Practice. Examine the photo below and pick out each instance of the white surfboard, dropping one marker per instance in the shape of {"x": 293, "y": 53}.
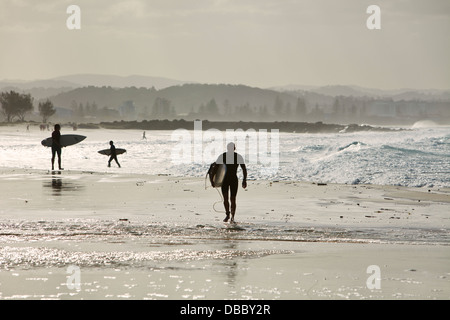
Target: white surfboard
{"x": 218, "y": 175}
{"x": 65, "y": 140}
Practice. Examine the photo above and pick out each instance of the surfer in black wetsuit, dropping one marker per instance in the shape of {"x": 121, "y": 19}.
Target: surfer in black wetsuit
{"x": 230, "y": 183}
{"x": 113, "y": 155}
{"x": 56, "y": 146}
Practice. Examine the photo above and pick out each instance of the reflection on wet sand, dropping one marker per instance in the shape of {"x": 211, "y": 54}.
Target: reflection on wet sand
{"x": 59, "y": 186}
{"x": 229, "y": 266}
{"x": 233, "y": 270}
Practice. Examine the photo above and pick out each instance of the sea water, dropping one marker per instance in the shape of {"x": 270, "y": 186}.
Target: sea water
{"x": 413, "y": 157}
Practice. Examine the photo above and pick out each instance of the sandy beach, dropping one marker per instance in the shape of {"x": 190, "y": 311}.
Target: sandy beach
{"x": 91, "y": 235}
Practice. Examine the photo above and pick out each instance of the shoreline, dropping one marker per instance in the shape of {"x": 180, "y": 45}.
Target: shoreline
{"x": 9, "y": 169}
{"x": 282, "y": 126}
{"x": 357, "y": 193}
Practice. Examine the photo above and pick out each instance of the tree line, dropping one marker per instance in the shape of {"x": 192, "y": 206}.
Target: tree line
{"x": 279, "y": 110}
{"x": 16, "y": 105}
{"x": 219, "y": 103}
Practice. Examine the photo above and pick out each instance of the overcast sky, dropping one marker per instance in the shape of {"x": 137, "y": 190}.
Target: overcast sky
{"x": 254, "y": 42}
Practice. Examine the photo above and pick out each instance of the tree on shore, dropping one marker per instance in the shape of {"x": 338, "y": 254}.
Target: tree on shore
{"x": 162, "y": 108}
{"x": 300, "y": 109}
{"x": 46, "y": 110}
{"x": 15, "y": 104}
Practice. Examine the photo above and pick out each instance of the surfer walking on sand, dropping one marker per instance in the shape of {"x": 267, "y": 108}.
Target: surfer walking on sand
{"x": 56, "y": 146}
{"x": 230, "y": 183}
{"x": 113, "y": 155}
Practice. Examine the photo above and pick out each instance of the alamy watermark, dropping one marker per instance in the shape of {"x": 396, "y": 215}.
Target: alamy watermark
{"x": 373, "y": 282}
{"x": 261, "y": 148}
{"x": 73, "y": 22}
{"x": 73, "y": 281}
{"x": 373, "y": 22}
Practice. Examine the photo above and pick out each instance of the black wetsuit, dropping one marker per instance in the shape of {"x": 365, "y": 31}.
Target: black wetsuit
{"x": 56, "y": 143}
{"x": 231, "y": 181}
{"x": 113, "y": 156}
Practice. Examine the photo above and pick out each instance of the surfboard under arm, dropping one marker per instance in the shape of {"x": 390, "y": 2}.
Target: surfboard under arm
{"x": 217, "y": 174}
{"x": 65, "y": 140}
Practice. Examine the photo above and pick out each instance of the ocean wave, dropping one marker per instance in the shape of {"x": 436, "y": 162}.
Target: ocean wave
{"x": 355, "y": 145}
{"x": 409, "y": 158}
{"x": 414, "y": 151}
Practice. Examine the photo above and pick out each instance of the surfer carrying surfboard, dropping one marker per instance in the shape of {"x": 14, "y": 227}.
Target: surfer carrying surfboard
{"x": 230, "y": 183}
{"x": 56, "y": 146}
{"x": 113, "y": 154}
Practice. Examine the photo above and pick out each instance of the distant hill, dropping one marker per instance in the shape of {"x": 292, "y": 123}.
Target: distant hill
{"x": 43, "y": 84}
{"x": 84, "y": 80}
{"x": 184, "y": 98}
{"x": 46, "y": 87}
{"x": 41, "y": 89}
{"x": 97, "y": 80}
{"x": 90, "y": 97}
{"x": 346, "y": 91}
{"x": 357, "y": 91}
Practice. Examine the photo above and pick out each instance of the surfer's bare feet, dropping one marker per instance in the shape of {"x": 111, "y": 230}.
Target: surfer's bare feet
{"x": 227, "y": 217}
{"x": 232, "y": 217}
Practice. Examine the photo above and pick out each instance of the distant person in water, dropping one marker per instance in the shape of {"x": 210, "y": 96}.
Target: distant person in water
{"x": 56, "y": 146}
{"x": 230, "y": 183}
{"x": 113, "y": 155}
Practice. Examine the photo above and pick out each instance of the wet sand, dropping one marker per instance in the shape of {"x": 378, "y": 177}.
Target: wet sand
{"x": 159, "y": 237}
